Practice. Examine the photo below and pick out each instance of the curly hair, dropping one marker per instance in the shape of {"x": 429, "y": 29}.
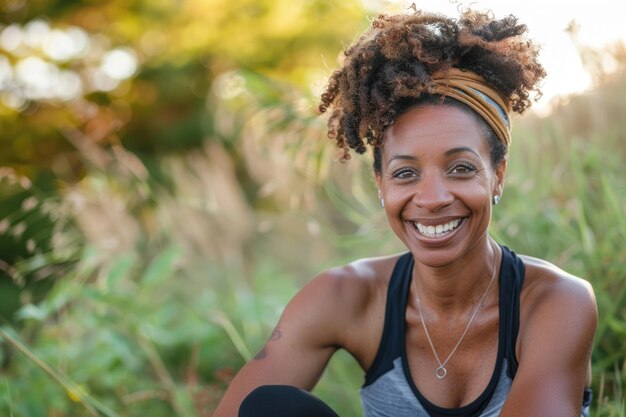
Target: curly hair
{"x": 389, "y": 68}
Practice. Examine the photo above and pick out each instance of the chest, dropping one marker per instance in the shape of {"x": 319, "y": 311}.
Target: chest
{"x": 470, "y": 358}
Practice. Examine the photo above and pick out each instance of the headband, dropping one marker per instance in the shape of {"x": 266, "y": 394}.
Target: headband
{"x": 472, "y": 90}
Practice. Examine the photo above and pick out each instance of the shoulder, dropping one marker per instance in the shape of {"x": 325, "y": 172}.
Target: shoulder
{"x": 356, "y": 280}
{"x": 558, "y": 319}
{"x": 545, "y": 281}
{"x": 554, "y": 299}
{"x": 343, "y": 297}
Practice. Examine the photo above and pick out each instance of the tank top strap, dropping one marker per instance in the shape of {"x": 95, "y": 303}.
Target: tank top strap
{"x": 390, "y": 342}
{"x": 511, "y": 281}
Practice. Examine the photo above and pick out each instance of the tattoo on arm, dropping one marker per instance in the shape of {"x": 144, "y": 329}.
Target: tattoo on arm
{"x": 261, "y": 355}
{"x": 276, "y": 334}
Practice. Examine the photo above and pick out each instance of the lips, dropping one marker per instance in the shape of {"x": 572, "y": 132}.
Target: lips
{"x": 434, "y": 231}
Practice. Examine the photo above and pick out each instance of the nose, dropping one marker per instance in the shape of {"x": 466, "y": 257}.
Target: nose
{"x": 432, "y": 193}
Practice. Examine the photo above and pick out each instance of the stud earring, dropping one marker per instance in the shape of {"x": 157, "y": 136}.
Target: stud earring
{"x": 496, "y": 199}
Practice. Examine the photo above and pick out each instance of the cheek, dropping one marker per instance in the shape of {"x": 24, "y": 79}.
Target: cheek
{"x": 397, "y": 197}
{"x": 476, "y": 196}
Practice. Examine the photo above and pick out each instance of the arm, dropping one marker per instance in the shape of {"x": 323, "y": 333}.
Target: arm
{"x": 556, "y": 337}
{"x": 299, "y": 348}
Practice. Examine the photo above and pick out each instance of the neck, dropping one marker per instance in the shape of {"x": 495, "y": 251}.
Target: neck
{"x": 459, "y": 285}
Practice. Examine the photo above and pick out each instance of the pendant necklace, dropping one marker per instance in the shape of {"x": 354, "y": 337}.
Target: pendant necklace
{"x": 441, "y": 371}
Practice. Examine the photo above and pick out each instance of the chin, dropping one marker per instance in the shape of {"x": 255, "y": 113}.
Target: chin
{"x": 436, "y": 258}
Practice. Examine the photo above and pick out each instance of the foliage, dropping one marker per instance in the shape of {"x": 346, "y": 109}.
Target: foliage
{"x": 74, "y": 74}
{"x": 154, "y": 231}
{"x": 565, "y": 202}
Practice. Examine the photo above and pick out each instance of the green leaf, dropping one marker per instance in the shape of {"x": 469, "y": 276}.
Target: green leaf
{"x": 119, "y": 270}
{"x": 161, "y": 266}
{"x": 31, "y": 312}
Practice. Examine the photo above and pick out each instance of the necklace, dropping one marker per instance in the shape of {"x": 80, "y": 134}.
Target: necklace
{"x": 441, "y": 371}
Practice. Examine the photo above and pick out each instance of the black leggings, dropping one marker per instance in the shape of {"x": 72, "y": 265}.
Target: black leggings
{"x": 283, "y": 401}
{"x": 289, "y": 401}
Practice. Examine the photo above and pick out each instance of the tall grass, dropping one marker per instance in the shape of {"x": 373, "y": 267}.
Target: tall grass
{"x": 565, "y": 201}
{"x": 188, "y": 261}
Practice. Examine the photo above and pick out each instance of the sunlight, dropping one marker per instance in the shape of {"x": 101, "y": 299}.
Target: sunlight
{"x": 63, "y": 45}
{"x": 547, "y": 22}
{"x": 120, "y": 64}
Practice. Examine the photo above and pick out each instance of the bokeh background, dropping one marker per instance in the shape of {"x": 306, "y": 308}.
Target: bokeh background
{"x": 166, "y": 186}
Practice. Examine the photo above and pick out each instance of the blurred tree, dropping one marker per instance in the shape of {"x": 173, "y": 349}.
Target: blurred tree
{"x": 139, "y": 72}
{"x": 80, "y": 78}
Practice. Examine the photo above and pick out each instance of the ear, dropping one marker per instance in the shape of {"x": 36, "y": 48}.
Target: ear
{"x": 379, "y": 180}
{"x": 500, "y": 174}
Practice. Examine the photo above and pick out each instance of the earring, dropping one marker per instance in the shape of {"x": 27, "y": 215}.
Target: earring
{"x": 382, "y": 202}
{"x": 496, "y": 199}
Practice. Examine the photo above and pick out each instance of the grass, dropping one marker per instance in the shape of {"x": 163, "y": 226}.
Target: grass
{"x": 179, "y": 281}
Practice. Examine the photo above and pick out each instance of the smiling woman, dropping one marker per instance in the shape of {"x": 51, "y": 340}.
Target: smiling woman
{"x": 459, "y": 325}
{"x": 437, "y": 174}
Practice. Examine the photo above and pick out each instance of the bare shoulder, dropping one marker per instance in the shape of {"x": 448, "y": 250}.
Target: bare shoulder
{"x": 344, "y": 297}
{"x": 355, "y": 282}
{"x": 545, "y": 281}
{"x": 553, "y": 299}
{"x": 349, "y": 291}
{"x": 558, "y": 319}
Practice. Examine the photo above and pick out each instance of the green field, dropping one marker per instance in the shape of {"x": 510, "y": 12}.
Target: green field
{"x": 150, "y": 235}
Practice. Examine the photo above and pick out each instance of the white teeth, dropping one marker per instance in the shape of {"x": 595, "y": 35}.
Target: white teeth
{"x": 433, "y": 231}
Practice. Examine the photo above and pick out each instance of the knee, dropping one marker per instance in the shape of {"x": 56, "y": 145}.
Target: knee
{"x": 263, "y": 400}
{"x": 283, "y": 401}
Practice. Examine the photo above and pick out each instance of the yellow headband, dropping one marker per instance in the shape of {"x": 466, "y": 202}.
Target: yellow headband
{"x": 472, "y": 90}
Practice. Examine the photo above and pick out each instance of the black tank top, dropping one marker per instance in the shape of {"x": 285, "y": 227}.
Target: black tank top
{"x": 389, "y": 389}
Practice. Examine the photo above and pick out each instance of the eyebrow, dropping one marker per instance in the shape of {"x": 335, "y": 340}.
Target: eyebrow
{"x": 460, "y": 149}
{"x": 402, "y": 157}
{"x": 449, "y": 152}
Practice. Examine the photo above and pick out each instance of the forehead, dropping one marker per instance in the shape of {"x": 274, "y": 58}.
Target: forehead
{"x": 434, "y": 128}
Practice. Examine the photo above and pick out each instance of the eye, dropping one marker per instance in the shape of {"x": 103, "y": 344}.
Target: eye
{"x": 404, "y": 173}
{"x": 463, "y": 168}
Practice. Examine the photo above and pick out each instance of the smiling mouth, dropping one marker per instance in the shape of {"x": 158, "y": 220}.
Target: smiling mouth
{"x": 439, "y": 230}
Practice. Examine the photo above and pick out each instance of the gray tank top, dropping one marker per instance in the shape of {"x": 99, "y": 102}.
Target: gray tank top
{"x": 389, "y": 390}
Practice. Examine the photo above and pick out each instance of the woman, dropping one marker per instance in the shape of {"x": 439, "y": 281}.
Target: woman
{"x": 459, "y": 325}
